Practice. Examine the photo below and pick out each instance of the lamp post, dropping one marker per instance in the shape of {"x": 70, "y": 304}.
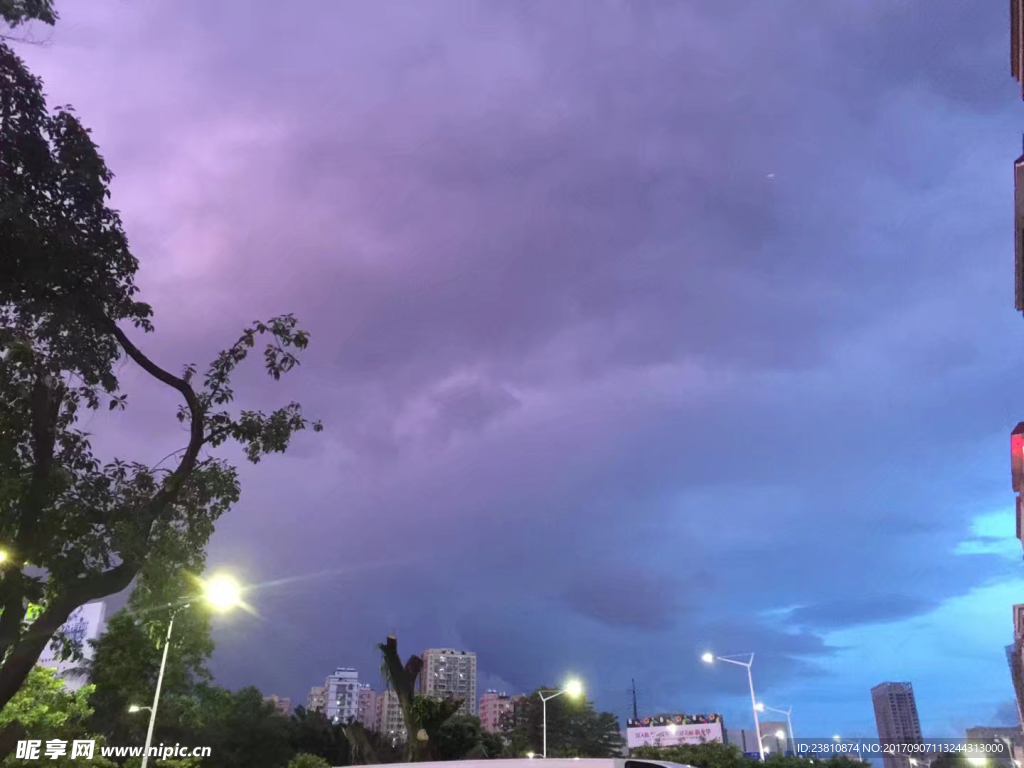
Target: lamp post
{"x": 839, "y": 740}
{"x": 221, "y": 593}
{"x": 574, "y": 688}
{"x": 789, "y": 722}
{"x": 709, "y": 658}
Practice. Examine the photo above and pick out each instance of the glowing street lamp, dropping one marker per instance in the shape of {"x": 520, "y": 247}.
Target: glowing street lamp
{"x": 220, "y": 593}
{"x": 709, "y": 658}
{"x": 133, "y": 708}
{"x": 839, "y": 740}
{"x": 789, "y": 721}
{"x": 573, "y": 688}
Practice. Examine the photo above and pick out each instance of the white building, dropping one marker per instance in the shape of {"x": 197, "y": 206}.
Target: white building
{"x": 447, "y": 674}
{"x": 389, "y": 721}
{"x": 316, "y": 699}
{"x": 84, "y": 624}
{"x": 342, "y": 695}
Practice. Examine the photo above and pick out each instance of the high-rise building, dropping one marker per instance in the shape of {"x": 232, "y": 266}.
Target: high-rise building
{"x": 316, "y": 699}
{"x": 1016, "y": 657}
{"x": 282, "y": 704}
{"x": 494, "y": 708}
{"x": 341, "y": 695}
{"x": 389, "y": 722}
{"x": 366, "y": 706}
{"x": 449, "y": 674}
{"x": 84, "y": 624}
{"x": 896, "y": 718}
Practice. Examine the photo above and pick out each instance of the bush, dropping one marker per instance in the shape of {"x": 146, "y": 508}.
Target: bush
{"x": 304, "y": 760}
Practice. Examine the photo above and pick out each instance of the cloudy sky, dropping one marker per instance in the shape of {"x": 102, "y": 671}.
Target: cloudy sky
{"x": 639, "y": 329}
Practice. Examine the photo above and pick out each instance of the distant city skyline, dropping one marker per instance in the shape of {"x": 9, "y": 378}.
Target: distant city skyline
{"x": 611, "y": 306}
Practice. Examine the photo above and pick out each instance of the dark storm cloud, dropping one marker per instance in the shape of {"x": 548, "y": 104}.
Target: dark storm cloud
{"x": 639, "y": 329}
{"x": 877, "y": 608}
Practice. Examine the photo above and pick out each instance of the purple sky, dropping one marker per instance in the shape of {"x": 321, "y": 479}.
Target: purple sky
{"x": 639, "y": 329}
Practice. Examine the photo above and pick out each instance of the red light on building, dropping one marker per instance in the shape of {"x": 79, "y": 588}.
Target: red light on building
{"x": 1017, "y": 457}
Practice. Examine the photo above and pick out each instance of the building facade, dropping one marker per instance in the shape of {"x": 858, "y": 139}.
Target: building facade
{"x": 774, "y": 744}
{"x": 282, "y": 704}
{"x": 896, "y": 718}
{"x": 389, "y": 722}
{"x": 341, "y": 695}
{"x": 316, "y": 699}
{"x": 84, "y": 624}
{"x": 447, "y": 674}
{"x": 366, "y": 706}
{"x": 494, "y": 708}
{"x": 743, "y": 739}
{"x": 1016, "y": 658}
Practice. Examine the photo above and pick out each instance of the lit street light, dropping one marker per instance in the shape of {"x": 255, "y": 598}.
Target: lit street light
{"x": 573, "y": 688}
{"x": 221, "y": 593}
{"x": 709, "y": 658}
{"x": 789, "y": 721}
{"x": 133, "y": 708}
{"x": 839, "y": 740}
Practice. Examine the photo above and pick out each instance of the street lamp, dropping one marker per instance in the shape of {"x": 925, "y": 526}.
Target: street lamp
{"x": 573, "y": 688}
{"x": 789, "y": 721}
{"x": 221, "y": 593}
{"x": 709, "y": 658}
{"x": 133, "y": 708}
{"x": 838, "y": 738}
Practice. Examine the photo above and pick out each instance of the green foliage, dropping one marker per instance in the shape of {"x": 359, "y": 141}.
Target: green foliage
{"x": 493, "y": 745}
{"x": 304, "y": 760}
{"x": 460, "y": 736}
{"x": 45, "y": 707}
{"x": 126, "y": 661}
{"x": 16, "y": 12}
{"x": 714, "y": 754}
{"x": 313, "y": 734}
{"x": 49, "y": 711}
{"x": 575, "y": 729}
{"x": 88, "y": 527}
{"x": 242, "y": 729}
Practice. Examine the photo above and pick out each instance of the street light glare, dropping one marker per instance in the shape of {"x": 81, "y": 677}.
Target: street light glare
{"x": 3, "y": 555}
{"x": 223, "y": 593}
{"x": 976, "y": 760}
{"x": 760, "y": 706}
{"x": 574, "y": 688}
{"x": 707, "y": 658}
{"x": 780, "y": 734}
{"x": 134, "y": 708}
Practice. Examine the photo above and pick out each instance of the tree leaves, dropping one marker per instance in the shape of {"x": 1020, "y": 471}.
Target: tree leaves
{"x": 67, "y": 279}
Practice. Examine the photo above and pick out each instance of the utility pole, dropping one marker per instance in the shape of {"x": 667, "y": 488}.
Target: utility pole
{"x": 635, "y": 715}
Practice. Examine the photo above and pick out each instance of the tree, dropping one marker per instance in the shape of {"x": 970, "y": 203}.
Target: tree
{"x": 17, "y": 12}
{"x": 242, "y": 729}
{"x": 67, "y": 279}
{"x": 460, "y": 738}
{"x": 423, "y": 715}
{"x": 715, "y": 754}
{"x": 313, "y": 734}
{"x": 575, "y": 729}
{"x": 304, "y": 760}
{"x": 50, "y": 711}
{"x": 126, "y": 661}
